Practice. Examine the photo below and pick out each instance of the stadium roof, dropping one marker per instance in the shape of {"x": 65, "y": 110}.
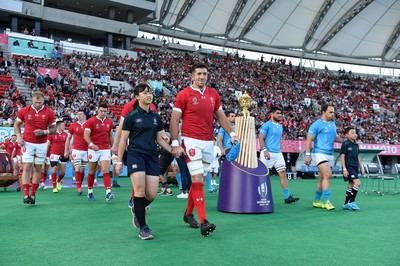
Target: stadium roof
{"x": 353, "y": 29}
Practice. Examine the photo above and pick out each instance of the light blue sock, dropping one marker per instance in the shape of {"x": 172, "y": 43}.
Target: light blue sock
{"x": 208, "y": 180}
{"x": 178, "y": 179}
{"x": 286, "y": 193}
{"x": 326, "y": 194}
{"x": 318, "y": 194}
{"x": 115, "y": 179}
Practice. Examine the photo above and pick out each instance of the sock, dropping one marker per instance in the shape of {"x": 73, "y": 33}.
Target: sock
{"x": 25, "y": 189}
{"x": 140, "y": 205}
{"x": 354, "y": 193}
{"x": 34, "y": 188}
{"x": 348, "y": 196}
{"x": 54, "y": 180}
{"x": 115, "y": 179}
{"x": 42, "y": 177}
{"x": 326, "y": 194}
{"x": 90, "y": 180}
{"x": 286, "y": 193}
{"x": 147, "y": 202}
{"x": 199, "y": 200}
{"x": 178, "y": 179}
{"x": 208, "y": 180}
{"x": 318, "y": 194}
{"x": 78, "y": 179}
{"x": 60, "y": 177}
{"x": 190, "y": 205}
{"x": 107, "y": 180}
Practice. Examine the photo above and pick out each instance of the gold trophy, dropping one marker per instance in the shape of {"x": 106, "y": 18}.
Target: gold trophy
{"x": 246, "y": 131}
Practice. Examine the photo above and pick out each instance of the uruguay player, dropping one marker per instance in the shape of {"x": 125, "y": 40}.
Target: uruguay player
{"x": 323, "y": 133}
{"x": 271, "y": 154}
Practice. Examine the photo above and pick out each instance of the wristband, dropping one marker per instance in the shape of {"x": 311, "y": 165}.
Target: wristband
{"x": 90, "y": 144}
{"x": 344, "y": 169}
{"x": 118, "y": 163}
{"x": 264, "y": 149}
{"x": 175, "y": 143}
{"x": 308, "y": 153}
{"x": 232, "y": 134}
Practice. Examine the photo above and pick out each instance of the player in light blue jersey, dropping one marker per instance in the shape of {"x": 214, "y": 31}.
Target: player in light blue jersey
{"x": 271, "y": 154}
{"x": 323, "y": 133}
{"x": 224, "y": 139}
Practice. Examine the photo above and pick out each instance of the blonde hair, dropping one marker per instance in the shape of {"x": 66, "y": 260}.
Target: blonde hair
{"x": 37, "y": 94}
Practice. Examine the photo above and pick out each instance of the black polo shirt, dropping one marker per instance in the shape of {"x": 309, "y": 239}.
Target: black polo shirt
{"x": 350, "y": 151}
{"x": 143, "y": 128}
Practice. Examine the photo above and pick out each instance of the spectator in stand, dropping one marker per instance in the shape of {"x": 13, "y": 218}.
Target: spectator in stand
{"x": 16, "y": 43}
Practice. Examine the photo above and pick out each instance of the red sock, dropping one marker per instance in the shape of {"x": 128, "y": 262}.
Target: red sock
{"x": 42, "y": 177}
{"x": 54, "y": 180}
{"x": 90, "y": 180}
{"x": 78, "y": 179}
{"x": 190, "y": 205}
{"x": 34, "y": 188}
{"x": 107, "y": 180}
{"x": 133, "y": 193}
{"x": 25, "y": 189}
{"x": 60, "y": 177}
{"x": 199, "y": 200}
{"x": 30, "y": 181}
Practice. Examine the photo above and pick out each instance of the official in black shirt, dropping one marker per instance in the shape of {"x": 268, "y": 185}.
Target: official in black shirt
{"x": 144, "y": 129}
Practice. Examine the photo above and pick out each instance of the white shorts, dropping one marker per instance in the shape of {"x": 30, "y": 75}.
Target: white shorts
{"x": 319, "y": 158}
{"x": 214, "y": 166}
{"x": 80, "y": 155}
{"x": 56, "y": 158}
{"x": 198, "y": 149}
{"x": 276, "y": 160}
{"x": 34, "y": 153}
{"x": 100, "y": 155}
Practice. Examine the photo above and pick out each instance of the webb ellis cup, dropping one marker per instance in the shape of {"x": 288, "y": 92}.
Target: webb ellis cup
{"x": 245, "y": 186}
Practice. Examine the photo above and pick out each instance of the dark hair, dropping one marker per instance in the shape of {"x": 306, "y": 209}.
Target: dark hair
{"x": 141, "y": 87}
{"x": 275, "y": 108}
{"x": 59, "y": 121}
{"x": 347, "y": 130}
{"x": 324, "y": 107}
{"x": 227, "y": 112}
{"x": 103, "y": 105}
{"x": 83, "y": 111}
{"x": 198, "y": 65}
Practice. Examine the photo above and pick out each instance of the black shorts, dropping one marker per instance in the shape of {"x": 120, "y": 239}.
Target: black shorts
{"x": 138, "y": 162}
{"x": 353, "y": 173}
{"x": 165, "y": 161}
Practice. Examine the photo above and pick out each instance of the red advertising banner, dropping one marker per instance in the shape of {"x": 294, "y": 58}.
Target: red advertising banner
{"x": 296, "y": 146}
{"x": 3, "y": 38}
{"x": 51, "y": 71}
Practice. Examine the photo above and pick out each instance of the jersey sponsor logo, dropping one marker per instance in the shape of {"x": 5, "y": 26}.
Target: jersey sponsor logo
{"x": 139, "y": 120}
{"x": 350, "y": 149}
{"x": 192, "y": 152}
{"x": 195, "y": 101}
{"x": 155, "y": 121}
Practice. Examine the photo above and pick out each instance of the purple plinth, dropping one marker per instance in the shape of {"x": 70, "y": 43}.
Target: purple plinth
{"x": 245, "y": 190}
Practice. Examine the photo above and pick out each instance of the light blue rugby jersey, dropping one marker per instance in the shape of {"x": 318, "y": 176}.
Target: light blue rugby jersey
{"x": 324, "y": 133}
{"x": 273, "y": 134}
{"x": 226, "y": 138}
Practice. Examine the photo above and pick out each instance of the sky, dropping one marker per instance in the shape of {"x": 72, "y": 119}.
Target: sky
{"x": 394, "y": 73}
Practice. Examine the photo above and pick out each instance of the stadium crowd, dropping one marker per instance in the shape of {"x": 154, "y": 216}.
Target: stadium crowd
{"x": 299, "y": 91}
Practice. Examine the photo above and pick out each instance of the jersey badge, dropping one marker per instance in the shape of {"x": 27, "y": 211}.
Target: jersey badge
{"x": 195, "y": 101}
